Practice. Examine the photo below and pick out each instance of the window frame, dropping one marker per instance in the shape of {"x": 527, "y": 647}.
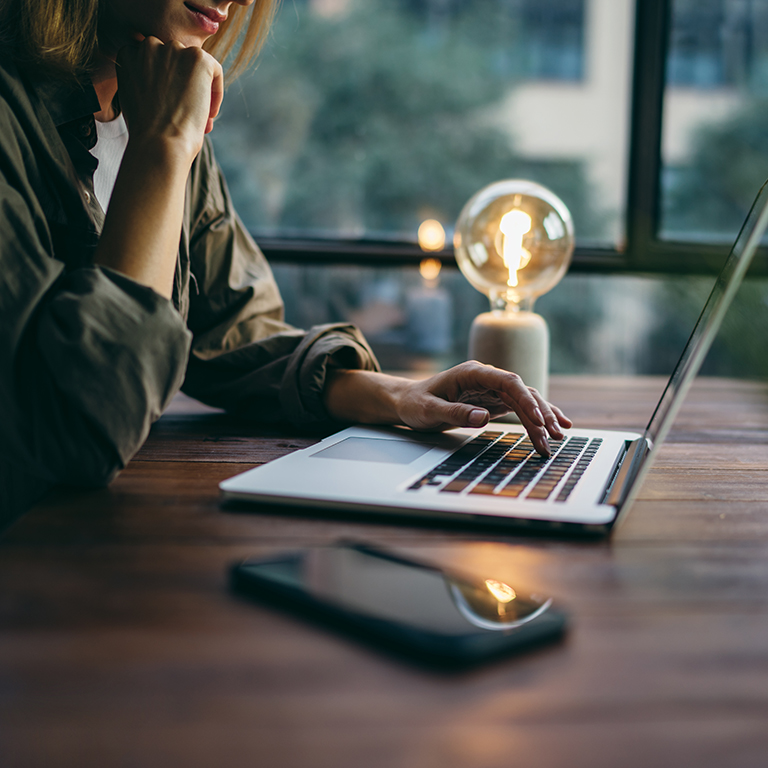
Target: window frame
{"x": 644, "y": 251}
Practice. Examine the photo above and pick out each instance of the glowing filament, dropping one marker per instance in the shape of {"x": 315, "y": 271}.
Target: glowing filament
{"x": 514, "y": 226}
{"x": 502, "y": 592}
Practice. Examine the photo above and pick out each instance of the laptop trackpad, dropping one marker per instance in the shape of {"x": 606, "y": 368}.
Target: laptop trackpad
{"x": 374, "y": 449}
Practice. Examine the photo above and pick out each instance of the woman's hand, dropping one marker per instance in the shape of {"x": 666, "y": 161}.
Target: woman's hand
{"x": 471, "y": 394}
{"x": 468, "y": 395}
{"x": 169, "y": 93}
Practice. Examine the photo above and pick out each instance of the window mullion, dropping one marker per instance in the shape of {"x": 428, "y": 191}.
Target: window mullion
{"x": 652, "y": 28}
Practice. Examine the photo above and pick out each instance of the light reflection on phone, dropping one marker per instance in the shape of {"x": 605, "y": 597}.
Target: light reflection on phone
{"x": 387, "y": 587}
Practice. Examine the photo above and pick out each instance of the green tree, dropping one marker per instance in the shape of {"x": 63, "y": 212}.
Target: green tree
{"x": 712, "y": 194}
{"x": 371, "y": 120}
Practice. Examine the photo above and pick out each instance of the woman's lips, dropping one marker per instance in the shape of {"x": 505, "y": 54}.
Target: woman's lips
{"x": 208, "y": 19}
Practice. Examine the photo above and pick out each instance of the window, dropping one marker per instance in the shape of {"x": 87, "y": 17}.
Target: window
{"x": 649, "y": 118}
{"x": 366, "y": 117}
{"x": 554, "y": 41}
{"x": 716, "y": 43}
{"x": 715, "y": 140}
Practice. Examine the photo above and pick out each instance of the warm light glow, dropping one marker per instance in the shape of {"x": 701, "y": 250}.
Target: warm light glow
{"x": 502, "y": 592}
{"x": 429, "y": 269}
{"x": 514, "y": 226}
{"x": 431, "y": 235}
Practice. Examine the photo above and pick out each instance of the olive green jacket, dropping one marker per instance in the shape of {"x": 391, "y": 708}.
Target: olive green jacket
{"x": 90, "y": 358}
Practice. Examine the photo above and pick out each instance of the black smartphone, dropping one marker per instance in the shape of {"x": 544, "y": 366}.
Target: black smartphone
{"x": 412, "y": 609}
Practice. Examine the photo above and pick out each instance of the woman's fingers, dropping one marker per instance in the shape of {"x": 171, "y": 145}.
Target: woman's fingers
{"x": 562, "y": 419}
{"x": 552, "y": 417}
{"x": 169, "y": 91}
{"x": 424, "y": 410}
{"x": 217, "y": 96}
{"x": 457, "y": 414}
{"x": 473, "y": 376}
{"x": 477, "y": 385}
{"x": 550, "y": 420}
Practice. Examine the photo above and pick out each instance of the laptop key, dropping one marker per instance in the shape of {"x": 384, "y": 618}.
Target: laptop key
{"x": 460, "y": 458}
{"x": 579, "y": 470}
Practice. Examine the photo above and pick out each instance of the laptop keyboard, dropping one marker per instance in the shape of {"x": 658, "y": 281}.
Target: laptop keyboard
{"x": 506, "y": 464}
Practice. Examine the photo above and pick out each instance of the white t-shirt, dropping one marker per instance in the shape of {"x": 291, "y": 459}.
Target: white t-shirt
{"x": 112, "y": 138}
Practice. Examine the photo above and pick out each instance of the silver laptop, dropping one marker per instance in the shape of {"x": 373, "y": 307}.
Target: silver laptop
{"x": 493, "y": 475}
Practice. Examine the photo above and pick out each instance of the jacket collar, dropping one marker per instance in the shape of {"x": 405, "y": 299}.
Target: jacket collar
{"x": 68, "y": 100}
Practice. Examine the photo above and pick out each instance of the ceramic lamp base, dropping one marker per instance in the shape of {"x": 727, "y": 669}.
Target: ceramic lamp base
{"x": 515, "y": 341}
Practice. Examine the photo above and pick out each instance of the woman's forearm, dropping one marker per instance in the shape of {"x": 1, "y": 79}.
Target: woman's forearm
{"x": 143, "y": 225}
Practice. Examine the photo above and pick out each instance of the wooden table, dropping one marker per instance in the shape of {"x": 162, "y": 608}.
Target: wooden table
{"x": 120, "y": 645}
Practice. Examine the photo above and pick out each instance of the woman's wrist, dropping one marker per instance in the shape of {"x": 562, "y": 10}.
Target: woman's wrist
{"x": 364, "y": 397}
{"x": 169, "y": 154}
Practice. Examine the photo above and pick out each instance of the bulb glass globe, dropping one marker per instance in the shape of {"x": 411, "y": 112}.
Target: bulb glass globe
{"x": 513, "y": 242}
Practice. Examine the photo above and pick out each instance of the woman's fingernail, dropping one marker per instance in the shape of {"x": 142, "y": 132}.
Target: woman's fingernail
{"x": 537, "y": 413}
{"x": 477, "y": 418}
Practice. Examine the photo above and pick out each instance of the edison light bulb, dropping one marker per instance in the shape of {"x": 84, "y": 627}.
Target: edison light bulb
{"x": 513, "y": 242}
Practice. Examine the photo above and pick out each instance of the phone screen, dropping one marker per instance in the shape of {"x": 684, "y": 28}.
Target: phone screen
{"x": 405, "y": 602}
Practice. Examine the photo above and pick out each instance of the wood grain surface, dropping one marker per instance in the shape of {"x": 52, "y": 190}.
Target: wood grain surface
{"x": 120, "y": 644}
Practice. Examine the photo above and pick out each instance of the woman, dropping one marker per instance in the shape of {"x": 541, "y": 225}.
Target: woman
{"x": 104, "y": 318}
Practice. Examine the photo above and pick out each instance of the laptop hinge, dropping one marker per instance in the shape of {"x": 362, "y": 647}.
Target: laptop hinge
{"x": 627, "y": 470}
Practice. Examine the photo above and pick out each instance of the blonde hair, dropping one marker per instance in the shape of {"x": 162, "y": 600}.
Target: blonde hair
{"x": 62, "y": 35}
{"x": 240, "y": 38}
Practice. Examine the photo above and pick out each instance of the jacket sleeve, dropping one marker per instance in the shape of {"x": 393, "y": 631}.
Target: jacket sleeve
{"x": 88, "y": 359}
{"x": 245, "y": 358}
